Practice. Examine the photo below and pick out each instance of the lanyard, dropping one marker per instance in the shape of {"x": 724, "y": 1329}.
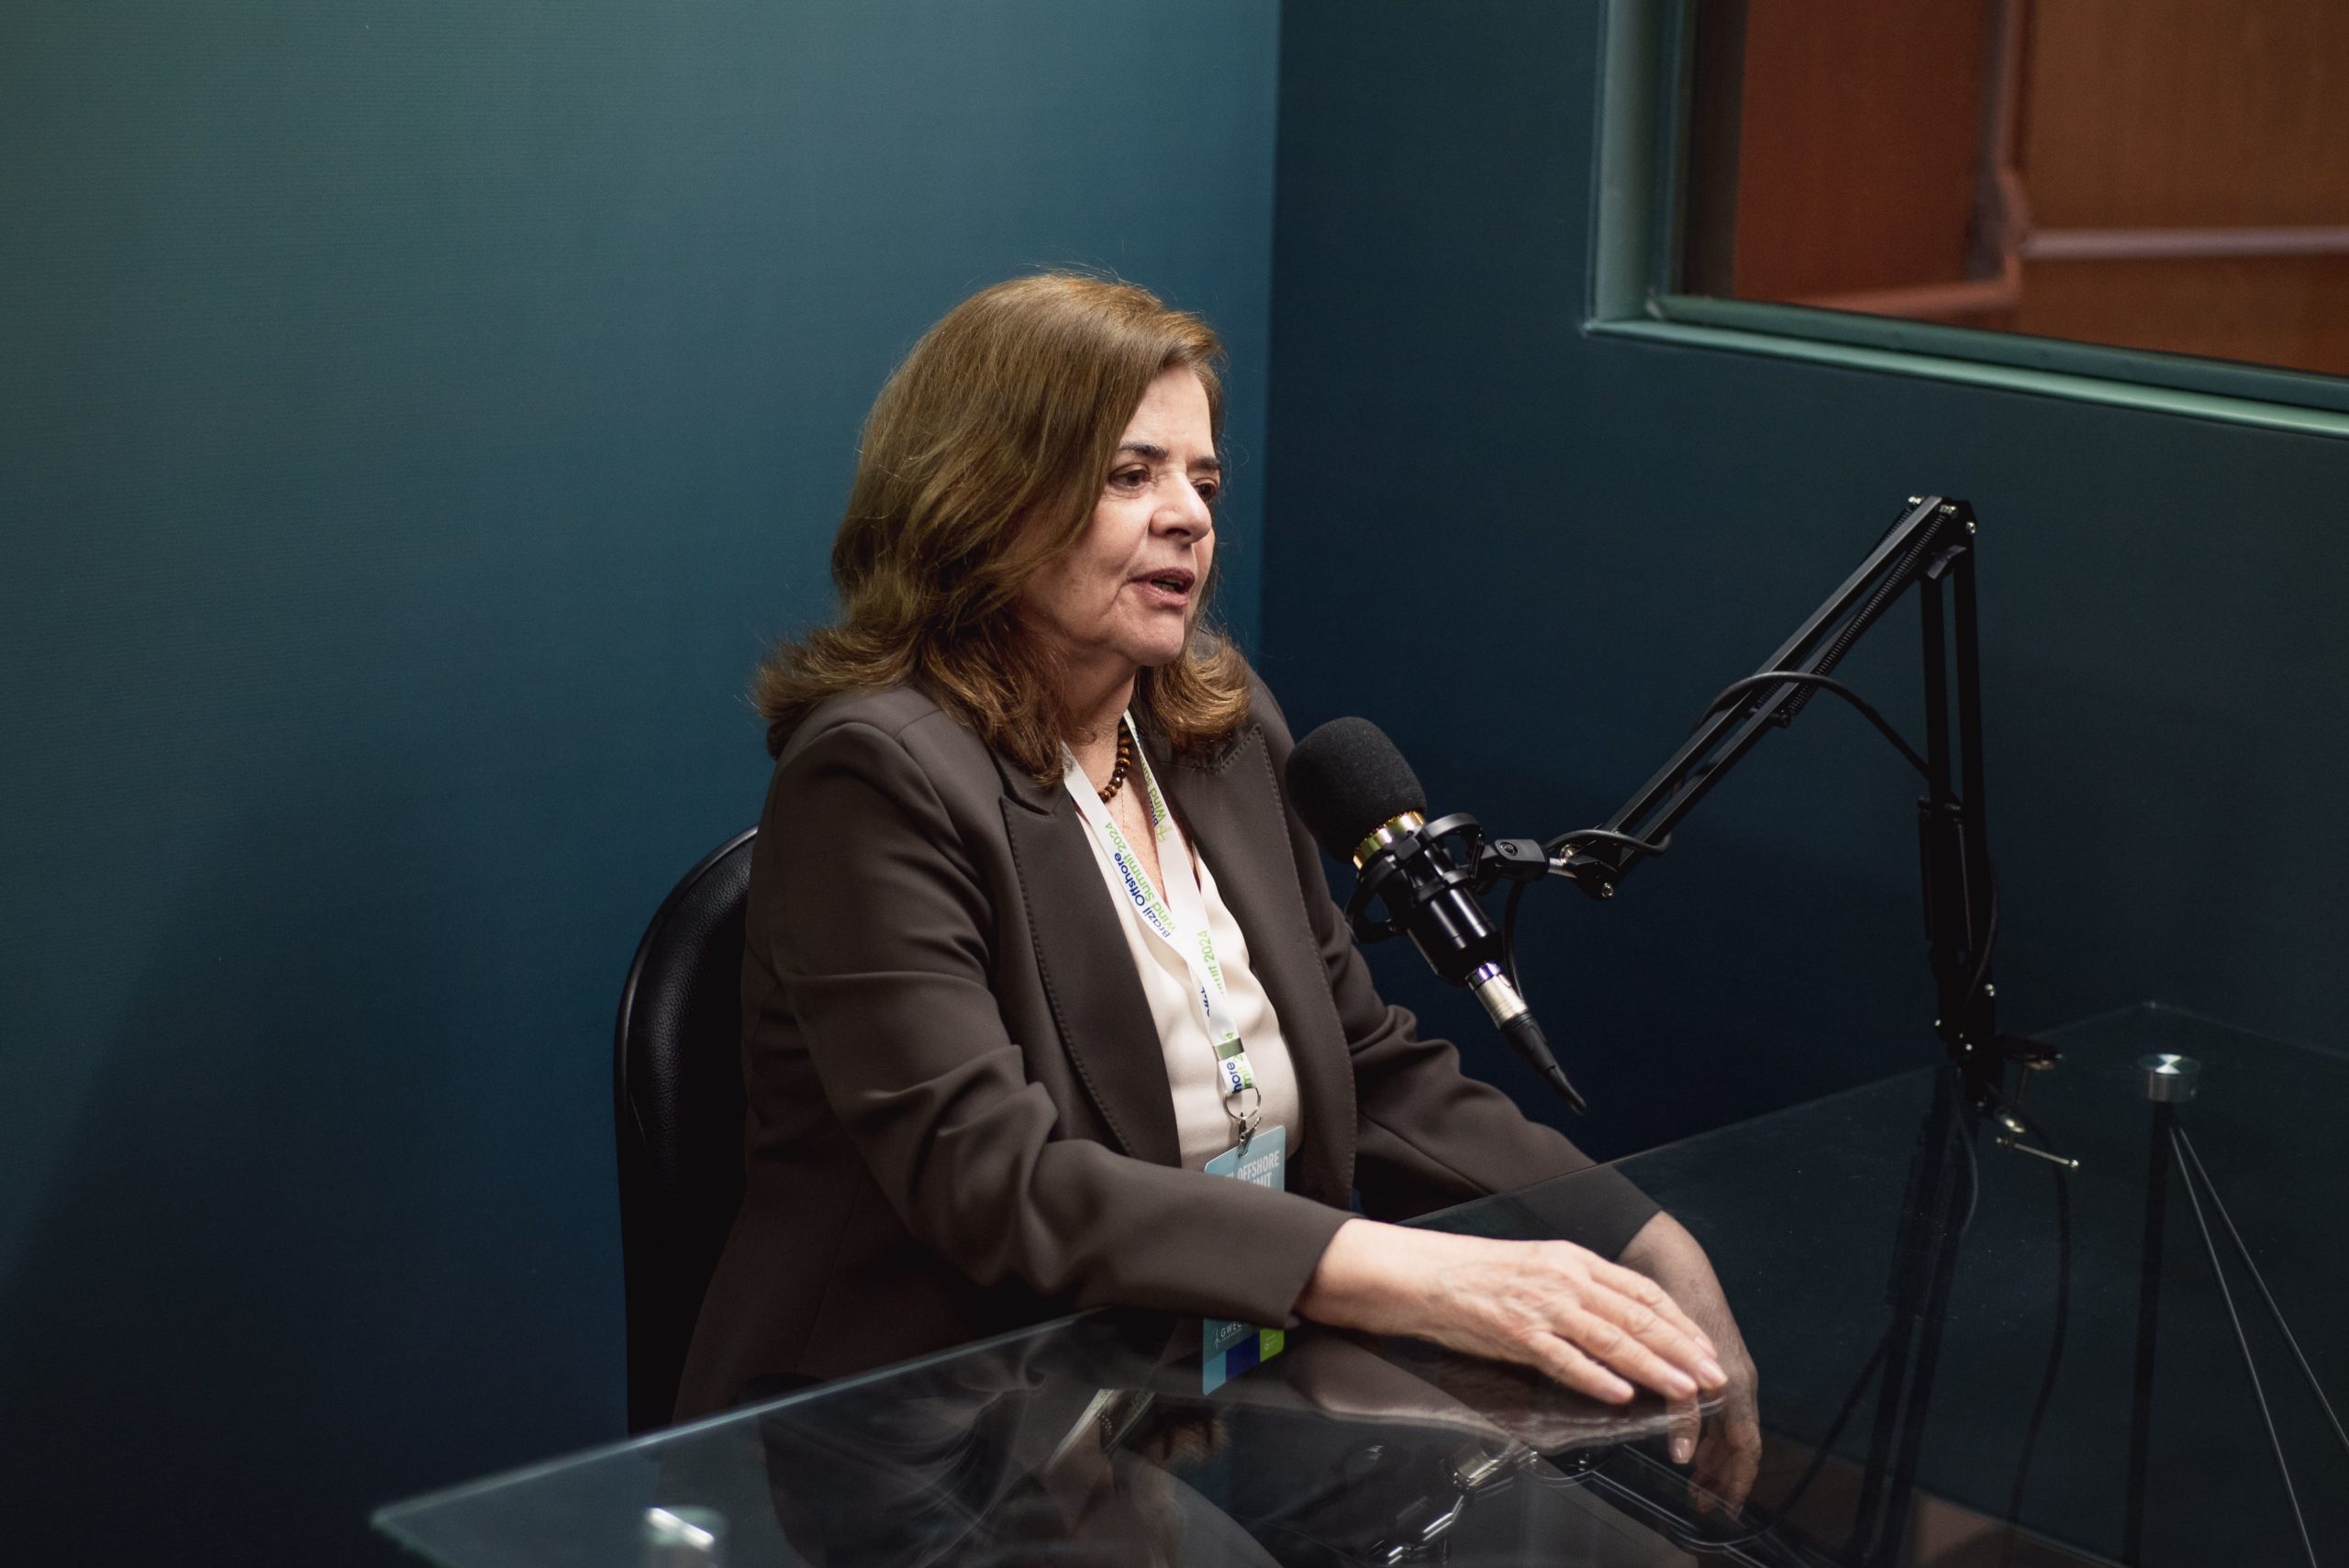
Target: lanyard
{"x": 1178, "y": 921}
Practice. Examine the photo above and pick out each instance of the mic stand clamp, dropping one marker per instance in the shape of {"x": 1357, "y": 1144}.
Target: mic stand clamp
{"x": 1489, "y": 861}
{"x": 1511, "y": 860}
{"x": 2033, "y": 1057}
{"x": 1399, "y": 848}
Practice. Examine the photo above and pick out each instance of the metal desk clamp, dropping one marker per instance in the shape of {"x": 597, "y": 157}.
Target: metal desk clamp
{"x": 2012, "y": 1130}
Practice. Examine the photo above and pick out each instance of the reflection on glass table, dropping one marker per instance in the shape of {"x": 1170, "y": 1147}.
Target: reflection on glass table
{"x": 1968, "y": 1354}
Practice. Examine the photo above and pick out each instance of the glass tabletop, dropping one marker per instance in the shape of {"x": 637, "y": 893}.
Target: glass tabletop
{"x": 1968, "y": 1354}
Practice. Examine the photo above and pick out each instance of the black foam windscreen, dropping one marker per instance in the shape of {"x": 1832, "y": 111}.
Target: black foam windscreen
{"x": 1346, "y": 779}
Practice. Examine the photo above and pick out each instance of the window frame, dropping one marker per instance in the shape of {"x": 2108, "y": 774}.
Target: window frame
{"x": 1647, "y": 53}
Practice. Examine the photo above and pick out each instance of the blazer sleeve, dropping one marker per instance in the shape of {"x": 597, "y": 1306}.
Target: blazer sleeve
{"x": 1430, "y": 1136}
{"x": 882, "y": 939}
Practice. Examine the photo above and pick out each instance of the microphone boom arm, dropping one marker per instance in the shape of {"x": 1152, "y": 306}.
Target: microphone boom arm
{"x": 1932, "y": 549}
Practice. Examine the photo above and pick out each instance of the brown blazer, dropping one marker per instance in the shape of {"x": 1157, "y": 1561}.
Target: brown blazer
{"x": 959, "y": 1117}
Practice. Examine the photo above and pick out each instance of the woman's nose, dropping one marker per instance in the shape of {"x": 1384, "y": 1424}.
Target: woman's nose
{"x": 1185, "y": 513}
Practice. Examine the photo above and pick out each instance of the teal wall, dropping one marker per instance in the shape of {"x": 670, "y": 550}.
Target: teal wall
{"x": 413, "y": 419}
{"x": 1533, "y": 555}
{"x": 412, "y": 422}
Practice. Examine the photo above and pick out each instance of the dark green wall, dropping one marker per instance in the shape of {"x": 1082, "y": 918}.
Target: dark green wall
{"x": 412, "y": 421}
{"x": 1533, "y": 555}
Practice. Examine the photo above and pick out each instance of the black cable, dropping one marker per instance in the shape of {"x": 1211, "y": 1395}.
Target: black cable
{"x": 1773, "y": 1518}
{"x": 2055, "y": 1346}
{"x": 1897, "y": 583}
{"x": 1657, "y": 846}
{"x": 1517, "y": 889}
{"x": 1965, "y": 1139}
{"x": 1989, "y": 945}
{"x": 1775, "y": 1514}
{"x": 1508, "y": 937}
{"x": 1729, "y": 694}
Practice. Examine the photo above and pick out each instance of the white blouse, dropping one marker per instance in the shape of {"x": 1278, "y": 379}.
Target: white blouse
{"x": 1206, "y": 1128}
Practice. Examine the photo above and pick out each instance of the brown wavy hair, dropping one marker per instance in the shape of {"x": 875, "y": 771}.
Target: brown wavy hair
{"x": 982, "y": 460}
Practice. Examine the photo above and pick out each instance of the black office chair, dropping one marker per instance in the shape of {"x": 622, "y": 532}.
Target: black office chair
{"x": 677, "y": 1104}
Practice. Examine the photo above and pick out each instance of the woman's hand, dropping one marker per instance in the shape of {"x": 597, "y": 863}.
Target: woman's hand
{"x": 1728, "y": 1451}
{"x": 1590, "y": 1324}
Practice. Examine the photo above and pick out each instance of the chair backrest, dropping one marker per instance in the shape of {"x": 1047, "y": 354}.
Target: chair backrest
{"x": 677, "y": 1103}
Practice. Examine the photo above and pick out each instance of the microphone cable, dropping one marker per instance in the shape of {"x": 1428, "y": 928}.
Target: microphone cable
{"x": 1729, "y": 694}
{"x": 1517, "y": 889}
{"x": 1726, "y": 698}
{"x": 2056, "y": 1340}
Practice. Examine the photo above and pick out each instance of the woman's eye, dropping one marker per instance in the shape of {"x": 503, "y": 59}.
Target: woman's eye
{"x": 1207, "y": 490}
{"x": 1131, "y": 478}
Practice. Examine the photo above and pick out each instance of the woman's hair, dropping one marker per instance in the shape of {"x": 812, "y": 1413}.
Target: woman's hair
{"x": 982, "y": 460}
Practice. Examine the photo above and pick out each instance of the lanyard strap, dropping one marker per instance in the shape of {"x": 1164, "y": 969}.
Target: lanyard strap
{"x": 1178, "y": 921}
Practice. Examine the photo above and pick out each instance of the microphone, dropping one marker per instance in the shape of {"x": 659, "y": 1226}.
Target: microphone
{"x": 1362, "y": 804}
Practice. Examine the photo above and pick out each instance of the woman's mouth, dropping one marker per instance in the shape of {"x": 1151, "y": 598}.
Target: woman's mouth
{"x": 1170, "y": 589}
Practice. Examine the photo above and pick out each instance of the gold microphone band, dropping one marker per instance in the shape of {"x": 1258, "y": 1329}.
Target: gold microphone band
{"x": 1386, "y": 834}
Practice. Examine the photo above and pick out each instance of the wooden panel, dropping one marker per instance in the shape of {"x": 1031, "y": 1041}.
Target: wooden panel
{"x": 2150, "y": 113}
{"x": 2281, "y": 310}
{"x": 1860, "y": 133}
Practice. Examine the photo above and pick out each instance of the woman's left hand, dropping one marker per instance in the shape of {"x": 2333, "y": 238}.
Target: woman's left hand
{"x": 1728, "y": 1451}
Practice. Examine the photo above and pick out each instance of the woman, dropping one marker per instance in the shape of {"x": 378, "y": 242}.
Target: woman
{"x": 1033, "y": 937}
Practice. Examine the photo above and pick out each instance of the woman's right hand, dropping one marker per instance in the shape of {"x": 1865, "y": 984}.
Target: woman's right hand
{"x": 1592, "y": 1324}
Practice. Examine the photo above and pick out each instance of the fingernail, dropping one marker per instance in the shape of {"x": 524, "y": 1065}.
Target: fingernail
{"x": 1714, "y": 1376}
{"x": 1620, "y": 1392}
{"x": 1676, "y": 1383}
{"x": 1683, "y": 1450}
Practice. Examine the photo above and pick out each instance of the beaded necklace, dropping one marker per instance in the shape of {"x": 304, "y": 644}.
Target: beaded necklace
{"x": 1108, "y": 792}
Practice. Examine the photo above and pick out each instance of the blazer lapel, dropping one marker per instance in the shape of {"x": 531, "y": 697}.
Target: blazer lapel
{"x": 1088, "y": 972}
{"x": 1233, "y": 815}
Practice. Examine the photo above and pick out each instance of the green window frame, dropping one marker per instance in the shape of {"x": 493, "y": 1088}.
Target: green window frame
{"x": 1637, "y": 201}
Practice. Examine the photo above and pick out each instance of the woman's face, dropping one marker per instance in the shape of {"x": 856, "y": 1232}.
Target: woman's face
{"x": 1122, "y": 597}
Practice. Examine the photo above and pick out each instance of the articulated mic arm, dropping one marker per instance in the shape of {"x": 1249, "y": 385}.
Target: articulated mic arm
{"x": 1932, "y": 549}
